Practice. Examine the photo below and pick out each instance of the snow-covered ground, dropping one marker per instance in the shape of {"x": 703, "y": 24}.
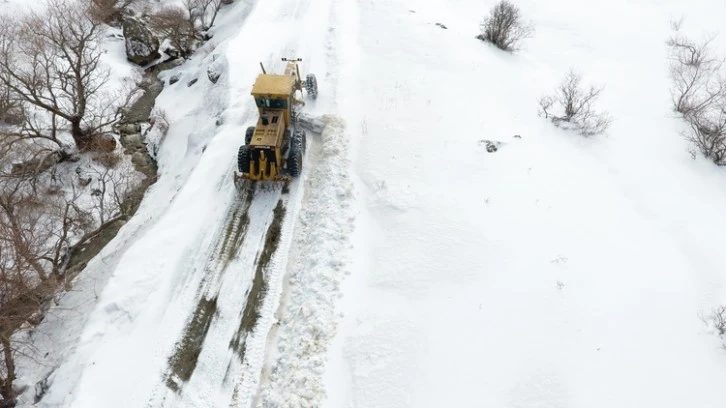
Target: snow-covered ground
{"x": 416, "y": 269}
{"x": 556, "y": 272}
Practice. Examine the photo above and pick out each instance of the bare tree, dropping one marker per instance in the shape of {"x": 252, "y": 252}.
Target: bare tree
{"x": 51, "y": 62}
{"x": 203, "y": 11}
{"x": 504, "y": 27}
{"x": 698, "y": 92}
{"x": 36, "y": 232}
{"x": 177, "y": 25}
{"x": 575, "y": 106}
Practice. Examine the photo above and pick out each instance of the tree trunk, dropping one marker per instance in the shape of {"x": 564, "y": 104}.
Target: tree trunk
{"x": 6, "y": 384}
{"x": 83, "y": 140}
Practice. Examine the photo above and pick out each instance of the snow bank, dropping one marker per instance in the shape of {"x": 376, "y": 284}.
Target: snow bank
{"x": 318, "y": 263}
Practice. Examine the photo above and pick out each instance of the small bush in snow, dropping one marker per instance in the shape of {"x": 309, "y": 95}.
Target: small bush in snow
{"x": 698, "y": 91}
{"x": 159, "y": 121}
{"x": 572, "y": 107}
{"x": 716, "y": 320}
{"x": 504, "y": 27}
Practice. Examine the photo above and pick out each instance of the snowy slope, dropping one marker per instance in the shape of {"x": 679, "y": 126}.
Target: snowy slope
{"x": 556, "y": 272}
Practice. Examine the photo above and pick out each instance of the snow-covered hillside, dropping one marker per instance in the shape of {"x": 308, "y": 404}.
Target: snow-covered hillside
{"x": 409, "y": 266}
{"x": 558, "y": 271}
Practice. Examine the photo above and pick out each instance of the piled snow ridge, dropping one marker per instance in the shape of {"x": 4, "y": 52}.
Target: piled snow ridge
{"x": 317, "y": 267}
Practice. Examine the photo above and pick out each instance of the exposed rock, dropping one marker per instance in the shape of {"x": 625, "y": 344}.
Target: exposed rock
{"x": 134, "y": 139}
{"x": 192, "y": 82}
{"x": 171, "y": 52}
{"x": 213, "y": 74}
{"x": 216, "y": 68}
{"x": 84, "y": 180}
{"x": 174, "y": 79}
{"x": 491, "y": 145}
{"x": 140, "y": 159}
{"x": 129, "y": 128}
{"x": 142, "y": 47}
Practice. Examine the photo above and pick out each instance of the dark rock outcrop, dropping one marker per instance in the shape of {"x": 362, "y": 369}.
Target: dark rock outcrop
{"x": 142, "y": 47}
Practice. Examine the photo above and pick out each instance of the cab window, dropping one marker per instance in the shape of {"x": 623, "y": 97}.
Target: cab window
{"x": 271, "y": 103}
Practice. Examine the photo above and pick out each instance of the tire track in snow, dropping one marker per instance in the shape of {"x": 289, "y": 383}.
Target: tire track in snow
{"x": 251, "y": 311}
{"x": 184, "y": 360}
{"x": 204, "y": 357}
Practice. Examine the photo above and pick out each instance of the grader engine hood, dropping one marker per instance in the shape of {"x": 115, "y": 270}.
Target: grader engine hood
{"x": 269, "y": 129}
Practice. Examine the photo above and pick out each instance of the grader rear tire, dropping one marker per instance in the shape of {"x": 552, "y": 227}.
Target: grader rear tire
{"x": 243, "y": 159}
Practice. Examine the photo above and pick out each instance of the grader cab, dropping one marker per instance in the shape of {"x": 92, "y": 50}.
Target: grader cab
{"x": 274, "y": 148}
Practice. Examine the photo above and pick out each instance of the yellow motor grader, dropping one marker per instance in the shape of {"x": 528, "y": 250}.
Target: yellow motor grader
{"x": 274, "y": 148}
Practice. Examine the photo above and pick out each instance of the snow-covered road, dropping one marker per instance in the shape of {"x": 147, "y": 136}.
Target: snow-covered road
{"x": 184, "y": 317}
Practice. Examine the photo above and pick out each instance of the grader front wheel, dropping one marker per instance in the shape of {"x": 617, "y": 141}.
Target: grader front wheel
{"x": 311, "y": 85}
{"x": 295, "y": 157}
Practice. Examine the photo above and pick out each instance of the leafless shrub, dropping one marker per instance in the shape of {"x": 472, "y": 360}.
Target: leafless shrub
{"x": 177, "y": 25}
{"x": 203, "y": 12}
{"x": 504, "y": 27}
{"x": 50, "y": 61}
{"x": 574, "y": 107}
{"x": 109, "y": 190}
{"x": 698, "y": 92}
{"x": 159, "y": 121}
{"x": 109, "y": 11}
{"x": 716, "y": 319}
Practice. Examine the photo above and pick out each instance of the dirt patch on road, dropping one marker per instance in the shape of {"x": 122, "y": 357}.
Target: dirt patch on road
{"x": 184, "y": 360}
{"x": 236, "y": 228}
{"x": 259, "y": 283}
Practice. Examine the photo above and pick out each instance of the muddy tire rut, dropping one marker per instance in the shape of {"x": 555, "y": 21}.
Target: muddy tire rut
{"x": 226, "y": 247}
